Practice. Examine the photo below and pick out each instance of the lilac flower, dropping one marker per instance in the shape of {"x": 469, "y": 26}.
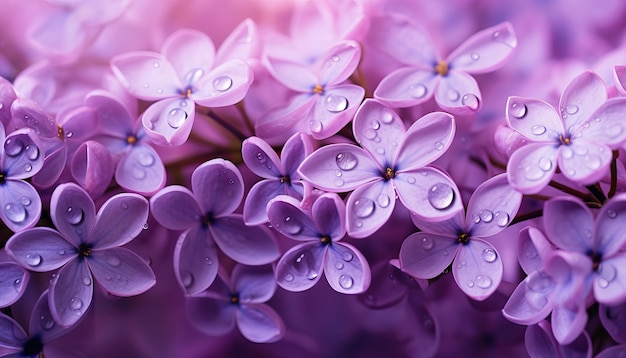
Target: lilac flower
{"x": 427, "y": 73}
{"x": 239, "y": 301}
{"x": 20, "y": 158}
{"x": 392, "y": 161}
{"x": 540, "y": 342}
{"x": 85, "y": 248}
{"x": 206, "y": 215}
{"x": 324, "y": 104}
{"x": 320, "y": 232}
{"x": 619, "y": 75}
{"x": 281, "y": 176}
{"x": 183, "y": 74}
{"x": 476, "y": 264}
{"x": 13, "y": 282}
{"x": 613, "y": 319}
{"x": 578, "y": 138}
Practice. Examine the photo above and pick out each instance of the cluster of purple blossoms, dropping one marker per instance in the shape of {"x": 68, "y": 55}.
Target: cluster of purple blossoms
{"x": 177, "y": 177}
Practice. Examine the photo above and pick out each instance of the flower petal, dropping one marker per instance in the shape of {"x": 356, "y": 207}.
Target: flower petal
{"x": 571, "y": 272}
{"x": 296, "y": 76}
{"x": 195, "y": 260}
{"x": 12, "y": 335}
{"x": 329, "y": 213}
{"x": 334, "y": 109}
{"x": 300, "y": 267}
{"x": 13, "y": 282}
{"x": 175, "y": 207}
{"x": 338, "y": 64}
{"x": 120, "y": 271}
{"x": 486, "y": 50}
{"x": 568, "y": 324}
{"x": 569, "y": 224}
{"x": 477, "y": 269}
{"x": 613, "y": 351}
{"x": 189, "y": 51}
{"x": 41, "y": 320}
{"x": 23, "y": 154}
{"x": 28, "y": 114}
{"x": 261, "y": 159}
{"x": 225, "y": 85}
{"x": 584, "y": 161}
{"x": 619, "y": 77}
{"x": 609, "y": 284}
{"x": 253, "y": 284}
{"x": 20, "y": 205}
{"x": 379, "y": 130}
{"x": 52, "y": 168}
{"x": 295, "y": 150}
{"x": 339, "y": 168}
{"x": 141, "y": 171}
{"x": 211, "y": 316}
{"x": 218, "y": 186}
{"x": 582, "y": 97}
{"x": 259, "y": 323}
{"x": 111, "y": 114}
{"x": 254, "y": 207}
{"x": 425, "y": 141}
{"x": 429, "y": 193}
{"x": 531, "y": 167}
{"x": 249, "y": 245}
{"x": 610, "y": 236}
{"x": 530, "y": 302}
{"x": 146, "y": 75}
{"x": 425, "y": 255}
{"x": 407, "y": 86}
{"x": 613, "y": 319}
{"x": 169, "y": 121}
{"x": 534, "y": 119}
{"x": 279, "y": 123}
{"x": 71, "y": 292}
{"x": 287, "y": 217}
{"x": 40, "y": 249}
{"x": 73, "y": 212}
{"x": 92, "y": 167}
{"x": 369, "y": 207}
{"x": 492, "y": 207}
{"x": 605, "y": 125}
{"x": 458, "y": 93}
{"x": 243, "y": 42}
{"x": 539, "y": 341}
{"x": 346, "y": 269}
{"x": 532, "y": 249}
{"x": 119, "y": 220}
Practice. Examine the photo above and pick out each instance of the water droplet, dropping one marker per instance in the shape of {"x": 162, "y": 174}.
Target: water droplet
{"x": 593, "y": 161}
{"x": 363, "y": 207}
{"x": 146, "y": 85}
{"x": 86, "y": 281}
{"x": 489, "y": 255}
{"x": 358, "y": 223}
{"x": 146, "y": 159}
{"x": 545, "y": 164}
{"x": 387, "y": 117}
{"x": 439, "y": 146}
{"x": 25, "y": 201}
{"x": 187, "y": 279}
{"x": 46, "y": 322}
{"x": 483, "y": 281}
{"x": 383, "y": 200}
{"x": 338, "y": 265}
{"x": 61, "y": 252}
{"x": 531, "y": 173}
{"x": 380, "y": 150}
{"x": 139, "y": 173}
{"x": 335, "y": 58}
{"x": 410, "y": 180}
{"x": 15, "y": 212}
{"x": 607, "y": 274}
{"x": 571, "y": 109}
{"x": 369, "y": 134}
{"x": 208, "y": 261}
{"x": 76, "y": 304}
{"x": 74, "y": 216}
{"x": 470, "y": 283}
{"x": 288, "y": 277}
{"x": 496, "y": 36}
{"x": 346, "y": 281}
{"x": 418, "y": 90}
{"x": 222, "y": 83}
{"x": 338, "y": 182}
{"x": 17, "y": 285}
{"x": 538, "y": 129}
{"x": 32, "y": 152}
{"x": 611, "y": 214}
{"x": 471, "y": 101}
{"x": 159, "y": 91}
{"x": 336, "y": 103}
{"x": 291, "y": 226}
{"x": 453, "y": 95}
{"x": 603, "y": 283}
{"x": 347, "y": 256}
{"x": 112, "y": 259}
{"x": 194, "y": 75}
{"x": 475, "y": 56}
{"x": 176, "y": 117}
{"x": 441, "y": 196}
{"x": 145, "y": 226}
{"x": 502, "y": 218}
{"x": 427, "y": 243}
{"x": 311, "y": 276}
{"x": 69, "y": 134}
{"x": 346, "y": 161}
{"x": 13, "y": 147}
{"x": 486, "y": 215}
{"x": 518, "y": 110}
{"x": 156, "y": 64}
{"x": 28, "y": 167}
{"x": 571, "y": 172}
{"x": 315, "y": 126}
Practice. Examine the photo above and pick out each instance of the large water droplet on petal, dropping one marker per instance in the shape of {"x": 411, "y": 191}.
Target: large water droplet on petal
{"x": 502, "y": 218}
{"x": 346, "y": 281}
{"x": 475, "y": 56}
{"x": 387, "y": 117}
{"x": 611, "y": 214}
{"x": 427, "y": 243}
{"x": 346, "y": 161}
{"x": 364, "y": 207}
{"x": 606, "y": 274}
{"x": 571, "y": 109}
{"x": 486, "y": 215}
{"x": 291, "y": 226}
{"x": 46, "y": 322}
{"x": 176, "y": 117}
{"x": 13, "y": 147}
{"x": 316, "y": 126}
{"x": 74, "y": 215}
{"x": 33, "y": 260}
{"x": 518, "y": 110}
{"x": 86, "y": 281}
{"x": 471, "y": 101}
{"x": 489, "y": 255}
{"x": 347, "y": 256}
{"x": 15, "y": 212}
{"x": 537, "y": 129}
{"x": 222, "y": 83}
{"x": 288, "y": 277}
{"x": 483, "y": 281}
{"x": 439, "y": 145}
{"x": 76, "y": 304}
{"x": 32, "y": 152}
{"x": 545, "y": 164}
{"x": 383, "y": 200}
{"x": 336, "y": 103}
{"x": 417, "y": 90}
{"x": 441, "y": 196}
{"x": 338, "y": 265}
{"x": 25, "y": 201}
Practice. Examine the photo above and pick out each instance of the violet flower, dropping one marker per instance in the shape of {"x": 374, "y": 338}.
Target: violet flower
{"x": 392, "y": 161}
{"x": 320, "y": 231}
{"x": 86, "y": 247}
{"x": 540, "y": 342}
{"x": 205, "y": 213}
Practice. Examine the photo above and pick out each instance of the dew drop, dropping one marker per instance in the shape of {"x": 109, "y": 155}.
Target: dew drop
{"x": 453, "y": 95}
{"x": 311, "y": 276}
{"x": 383, "y": 200}
{"x": 291, "y": 226}
{"x": 567, "y": 152}
{"x": 156, "y": 64}
{"x": 603, "y": 283}
{"x": 28, "y": 167}
{"x": 363, "y": 207}
{"x": 418, "y": 90}
{"x": 139, "y": 173}
{"x": 489, "y": 255}
{"x": 471, "y": 101}
{"x": 439, "y": 146}
{"x": 69, "y": 134}
{"x": 176, "y": 117}
{"x": 346, "y": 161}
{"x": 475, "y": 56}
{"x": 502, "y": 218}
{"x": 369, "y": 134}
{"x": 208, "y": 261}
{"x": 86, "y": 281}
{"x": 288, "y": 277}
{"x": 338, "y": 265}
{"x": 486, "y": 215}
{"x": 46, "y": 322}
{"x": 470, "y": 283}
{"x": 611, "y": 214}
{"x": 593, "y": 161}
{"x": 145, "y": 226}
{"x": 476, "y": 218}
{"x": 112, "y": 259}
{"x": 159, "y": 91}
{"x": 73, "y": 215}
{"x": 315, "y": 126}
{"x": 483, "y": 281}
{"x": 347, "y": 256}
{"x": 32, "y": 152}
{"x": 375, "y": 125}
{"x": 607, "y": 274}
{"x": 17, "y": 284}
{"x": 61, "y": 252}
{"x": 25, "y": 201}
{"x": 358, "y": 223}
{"x": 187, "y": 279}
{"x": 571, "y": 172}
{"x": 222, "y": 83}
{"x": 518, "y": 110}
{"x": 571, "y": 109}
{"x": 496, "y": 36}
{"x": 194, "y": 75}
{"x": 537, "y": 129}
{"x": 336, "y": 103}
{"x": 76, "y": 304}
{"x": 387, "y": 117}
{"x": 410, "y": 180}
{"x": 338, "y": 173}
{"x": 146, "y": 159}
{"x": 545, "y": 164}
{"x": 338, "y": 182}
{"x": 346, "y": 281}
{"x": 427, "y": 243}
{"x": 441, "y": 196}
{"x": 380, "y": 150}
{"x": 15, "y": 212}
{"x": 13, "y": 147}
{"x": 300, "y": 258}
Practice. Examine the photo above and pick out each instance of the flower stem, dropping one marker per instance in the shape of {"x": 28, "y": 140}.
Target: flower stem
{"x": 597, "y": 192}
{"x": 234, "y": 131}
{"x": 526, "y": 216}
{"x": 613, "y": 187}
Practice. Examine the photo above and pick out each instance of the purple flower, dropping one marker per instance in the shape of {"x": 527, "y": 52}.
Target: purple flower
{"x": 427, "y": 73}
{"x": 578, "y": 137}
{"x": 281, "y": 176}
{"x": 206, "y": 215}
{"x": 320, "y": 232}
{"x": 540, "y": 342}
{"x": 324, "y": 104}
{"x": 239, "y": 301}
{"x": 619, "y": 75}
{"x": 13, "y": 282}
{"x": 85, "y": 248}
{"x": 393, "y": 161}
{"x": 184, "y": 73}
{"x": 476, "y": 265}
{"x": 20, "y": 158}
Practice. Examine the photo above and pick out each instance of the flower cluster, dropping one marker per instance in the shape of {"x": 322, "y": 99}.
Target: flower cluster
{"x": 177, "y": 177}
